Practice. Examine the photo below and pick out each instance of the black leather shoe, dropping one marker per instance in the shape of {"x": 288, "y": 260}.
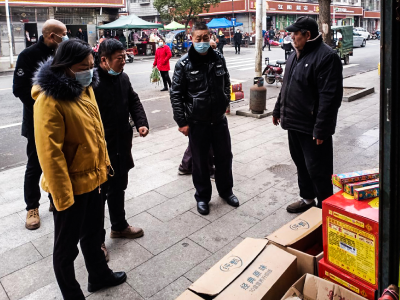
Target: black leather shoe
{"x": 232, "y": 200}
{"x": 203, "y": 208}
{"x": 116, "y": 278}
{"x": 164, "y": 89}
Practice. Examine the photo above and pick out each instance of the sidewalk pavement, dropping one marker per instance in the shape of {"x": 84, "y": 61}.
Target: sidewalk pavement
{"x": 179, "y": 245}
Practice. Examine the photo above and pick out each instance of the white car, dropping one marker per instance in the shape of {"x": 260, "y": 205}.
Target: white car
{"x": 358, "y": 40}
{"x": 363, "y": 32}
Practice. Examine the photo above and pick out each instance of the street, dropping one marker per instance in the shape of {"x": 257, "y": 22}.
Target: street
{"x": 156, "y": 103}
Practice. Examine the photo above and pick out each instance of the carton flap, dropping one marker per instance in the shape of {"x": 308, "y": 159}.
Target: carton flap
{"x": 298, "y": 228}
{"x": 188, "y": 295}
{"x": 229, "y": 267}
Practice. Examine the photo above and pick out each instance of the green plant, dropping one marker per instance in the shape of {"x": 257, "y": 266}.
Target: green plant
{"x": 155, "y": 76}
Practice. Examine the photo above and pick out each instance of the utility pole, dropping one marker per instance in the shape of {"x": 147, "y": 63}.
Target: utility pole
{"x": 259, "y": 16}
{"x": 9, "y": 35}
{"x": 233, "y": 19}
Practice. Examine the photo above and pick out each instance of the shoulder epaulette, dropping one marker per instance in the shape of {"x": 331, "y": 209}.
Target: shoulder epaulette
{"x": 184, "y": 61}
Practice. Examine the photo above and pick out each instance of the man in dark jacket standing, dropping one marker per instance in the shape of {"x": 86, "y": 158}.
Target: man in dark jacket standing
{"x": 237, "y": 38}
{"x": 54, "y": 32}
{"x": 307, "y": 107}
{"x": 79, "y": 34}
{"x": 200, "y": 94}
{"x": 117, "y": 100}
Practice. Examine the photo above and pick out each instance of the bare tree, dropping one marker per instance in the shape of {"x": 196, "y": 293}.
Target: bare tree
{"x": 324, "y": 21}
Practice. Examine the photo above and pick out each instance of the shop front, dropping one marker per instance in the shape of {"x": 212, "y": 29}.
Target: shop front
{"x": 372, "y": 20}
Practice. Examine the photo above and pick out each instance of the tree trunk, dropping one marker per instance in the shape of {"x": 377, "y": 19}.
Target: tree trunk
{"x": 188, "y": 19}
{"x": 325, "y": 20}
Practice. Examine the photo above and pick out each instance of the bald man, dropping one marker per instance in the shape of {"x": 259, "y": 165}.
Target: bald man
{"x": 54, "y": 32}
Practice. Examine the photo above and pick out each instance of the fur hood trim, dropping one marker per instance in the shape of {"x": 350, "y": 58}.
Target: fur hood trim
{"x": 58, "y": 85}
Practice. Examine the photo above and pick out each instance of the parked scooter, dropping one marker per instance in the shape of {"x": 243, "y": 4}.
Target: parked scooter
{"x": 273, "y": 73}
{"x": 376, "y": 34}
{"x": 129, "y": 57}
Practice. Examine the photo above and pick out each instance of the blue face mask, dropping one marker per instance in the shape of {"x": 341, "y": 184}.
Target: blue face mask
{"x": 63, "y": 38}
{"x": 112, "y": 72}
{"x": 84, "y": 77}
{"x": 201, "y": 47}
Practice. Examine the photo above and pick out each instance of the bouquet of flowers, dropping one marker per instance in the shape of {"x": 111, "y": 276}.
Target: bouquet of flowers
{"x": 155, "y": 75}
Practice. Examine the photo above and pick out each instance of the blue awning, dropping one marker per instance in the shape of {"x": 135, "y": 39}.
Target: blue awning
{"x": 222, "y": 23}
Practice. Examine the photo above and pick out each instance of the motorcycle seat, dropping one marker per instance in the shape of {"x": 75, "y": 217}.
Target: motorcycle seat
{"x": 281, "y": 62}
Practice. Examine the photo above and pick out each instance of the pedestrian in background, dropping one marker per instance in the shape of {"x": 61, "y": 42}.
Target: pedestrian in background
{"x": 72, "y": 152}
{"x": 79, "y": 34}
{"x": 266, "y": 41}
{"x": 117, "y": 100}
{"x": 200, "y": 94}
{"x": 308, "y": 110}
{"x": 221, "y": 42}
{"x": 161, "y": 61}
{"x": 237, "y": 38}
{"x": 53, "y": 33}
{"x": 271, "y": 33}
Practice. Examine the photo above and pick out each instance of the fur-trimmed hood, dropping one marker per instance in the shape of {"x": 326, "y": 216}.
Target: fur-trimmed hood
{"x": 58, "y": 85}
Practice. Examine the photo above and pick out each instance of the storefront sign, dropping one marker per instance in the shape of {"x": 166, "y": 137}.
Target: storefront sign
{"x": 372, "y": 14}
{"x": 66, "y": 3}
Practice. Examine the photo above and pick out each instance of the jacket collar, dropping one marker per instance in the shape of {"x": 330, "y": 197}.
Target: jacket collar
{"x": 195, "y": 57}
{"x": 57, "y": 84}
{"x": 42, "y": 46}
{"x": 310, "y": 46}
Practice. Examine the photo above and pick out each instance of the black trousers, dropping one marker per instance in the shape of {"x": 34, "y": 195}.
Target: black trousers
{"x": 221, "y": 48}
{"x": 201, "y": 138}
{"x": 314, "y": 165}
{"x": 113, "y": 191}
{"x": 267, "y": 44}
{"x": 165, "y": 78}
{"x": 187, "y": 160}
{"x": 32, "y": 176}
{"x": 82, "y": 222}
{"x": 237, "y": 47}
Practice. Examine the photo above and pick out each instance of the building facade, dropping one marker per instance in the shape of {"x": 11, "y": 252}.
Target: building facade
{"x": 144, "y": 9}
{"x": 28, "y": 16}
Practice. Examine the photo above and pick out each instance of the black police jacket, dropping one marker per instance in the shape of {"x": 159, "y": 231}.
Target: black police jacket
{"x": 312, "y": 91}
{"x": 27, "y": 63}
{"x": 116, "y": 99}
{"x": 200, "y": 89}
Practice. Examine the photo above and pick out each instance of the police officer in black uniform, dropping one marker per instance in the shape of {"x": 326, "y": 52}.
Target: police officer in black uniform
{"x": 54, "y": 32}
{"x": 200, "y": 94}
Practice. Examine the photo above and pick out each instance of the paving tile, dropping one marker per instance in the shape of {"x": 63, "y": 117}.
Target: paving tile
{"x": 219, "y": 207}
{"x": 172, "y": 291}
{"x": 289, "y": 185}
{"x": 3, "y": 295}
{"x": 142, "y": 203}
{"x": 45, "y": 244}
{"x": 250, "y": 155}
{"x": 266, "y": 203}
{"x": 18, "y": 258}
{"x": 171, "y": 208}
{"x": 163, "y": 269}
{"x": 139, "y": 185}
{"x": 10, "y": 222}
{"x": 267, "y": 226}
{"x": 27, "y": 280}
{"x": 48, "y": 292}
{"x": 177, "y": 187}
{"x": 19, "y": 235}
{"x": 252, "y": 168}
{"x": 259, "y": 183}
{"x": 160, "y": 236}
{"x": 127, "y": 256}
{"x": 205, "y": 265}
{"x": 120, "y": 292}
{"x": 221, "y": 232}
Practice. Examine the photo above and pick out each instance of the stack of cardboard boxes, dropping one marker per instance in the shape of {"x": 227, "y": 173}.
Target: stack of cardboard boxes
{"x": 284, "y": 264}
{"x": 351, "y": 233}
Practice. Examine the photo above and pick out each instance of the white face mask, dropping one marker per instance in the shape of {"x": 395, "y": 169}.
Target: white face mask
{"x": 160, "y": 44}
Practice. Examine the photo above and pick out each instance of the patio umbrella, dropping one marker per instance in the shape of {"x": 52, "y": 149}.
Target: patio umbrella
{"x": 130, "y": 22}
{"x": 174, "y": 25}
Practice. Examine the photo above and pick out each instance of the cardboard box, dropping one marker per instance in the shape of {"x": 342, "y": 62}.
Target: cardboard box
{"x": 330, "y": 273}
{"x": 302, "y": 237}
{"x": 351, "y": 236}
{"x": 340, "y": 179}
{"x": 349, "y": 187}
{"x": 366, "y": 192}
{"x": 188, "y": 295}
{"x": 253, "y": 270}
{"x": 310, "y": 287}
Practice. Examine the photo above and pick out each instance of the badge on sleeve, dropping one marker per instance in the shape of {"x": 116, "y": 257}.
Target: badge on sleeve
{"x": 20, "y": 72}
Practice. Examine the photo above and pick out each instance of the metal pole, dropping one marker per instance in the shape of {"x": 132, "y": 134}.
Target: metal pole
{"x": 259, "y": 15}
{"x": 233, "y": 16}
{"x": 334, "y": 21}
{"x": 9, "y": 35}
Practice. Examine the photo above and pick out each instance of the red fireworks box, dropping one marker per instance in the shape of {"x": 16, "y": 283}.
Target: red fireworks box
{"x": 351, "y": 236}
